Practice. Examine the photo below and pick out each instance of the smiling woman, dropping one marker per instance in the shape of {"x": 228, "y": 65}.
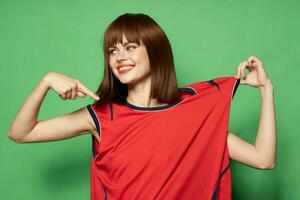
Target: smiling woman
{"x": 150, "y": 138}
{"x": 137, "y": 40}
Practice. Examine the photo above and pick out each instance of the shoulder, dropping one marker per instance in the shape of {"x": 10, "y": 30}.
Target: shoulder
{"x": 91, "y": 119}
{"x": 217, "y": 82}
{"x": 227, "y": 85}
{"x": 99, "y": 116}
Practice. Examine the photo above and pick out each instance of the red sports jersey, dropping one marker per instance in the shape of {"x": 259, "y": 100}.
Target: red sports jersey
{"x": 176, "y": 151}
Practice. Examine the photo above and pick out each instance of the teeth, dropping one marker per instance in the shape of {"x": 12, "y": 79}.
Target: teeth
{"x": 125, "y": 68}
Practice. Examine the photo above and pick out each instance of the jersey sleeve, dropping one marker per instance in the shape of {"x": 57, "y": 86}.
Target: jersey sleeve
{"x": 227, "y": 86}
{"x": 101, "y": 115}
{"x": 92, "y": 111}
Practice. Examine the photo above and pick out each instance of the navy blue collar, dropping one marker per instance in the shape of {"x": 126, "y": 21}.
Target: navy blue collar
{"x": 182, "y": 90}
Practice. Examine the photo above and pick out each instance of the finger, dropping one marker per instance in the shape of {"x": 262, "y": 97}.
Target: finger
{"x": 252, "y": 58}
{"x": 255, "y": 61}
{"x": 238, "y": 71}
{"x": 80, "y": 94}
{"x": 242, "y": 69}
{"x": 241, "y": 74}
{"x": 69, "y": 94}
{"x": 85, "y": 90}
{"x": 74, "y": 93}
{"x": 63, "y": 96}
{"x": 246, "y": 65}
{"x": 252, "y": 61}
{"x": 250, "y": 66}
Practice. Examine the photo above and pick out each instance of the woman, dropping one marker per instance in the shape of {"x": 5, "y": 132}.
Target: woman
{"x": 151, "y": 139}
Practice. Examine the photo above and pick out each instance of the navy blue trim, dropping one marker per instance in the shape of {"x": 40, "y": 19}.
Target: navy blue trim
{"x": 93, "y": 148}
{"x": 95, "y": 119}
{"x": 183, "y": 90}
{"x": 215, "y": 194}
{"x": 187, "y": 90}
{"x": 236, "y": 86}
{"x": 214, "y": 84}
{"x": 111, "y": 111}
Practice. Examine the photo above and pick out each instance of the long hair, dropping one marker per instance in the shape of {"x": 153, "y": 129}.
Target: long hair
{"x": 136, "y": 28}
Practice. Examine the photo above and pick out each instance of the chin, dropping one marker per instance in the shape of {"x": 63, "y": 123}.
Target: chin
{"x": 128, "y": 82}
{"x": 131, "y": 79}
{"x": 125, "y": 81}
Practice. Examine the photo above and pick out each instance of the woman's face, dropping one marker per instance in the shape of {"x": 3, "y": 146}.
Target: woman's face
{"x": 129, "y": 62}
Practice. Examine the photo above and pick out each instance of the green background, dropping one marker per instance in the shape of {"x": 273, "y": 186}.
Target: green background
{"x": 209, "y": 39}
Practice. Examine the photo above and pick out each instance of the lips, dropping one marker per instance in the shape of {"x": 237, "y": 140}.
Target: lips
{"x": 124, "y": 70}
{"x": 122, "y": 65}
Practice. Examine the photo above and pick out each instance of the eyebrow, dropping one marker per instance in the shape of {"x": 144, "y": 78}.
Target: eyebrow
{"x": 126, "y": 43}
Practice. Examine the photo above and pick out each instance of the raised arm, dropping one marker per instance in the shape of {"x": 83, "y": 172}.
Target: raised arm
{"x": 261, "y": 155}
{"x": 26, "y": 128}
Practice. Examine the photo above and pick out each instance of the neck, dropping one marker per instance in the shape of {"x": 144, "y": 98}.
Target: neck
{"x": 139, "y": 95}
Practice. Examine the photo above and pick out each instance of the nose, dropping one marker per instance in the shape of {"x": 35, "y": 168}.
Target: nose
{"x": 121, "y": 56}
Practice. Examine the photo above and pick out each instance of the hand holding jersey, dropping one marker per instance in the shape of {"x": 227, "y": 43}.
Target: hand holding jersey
{"x": 256, "y": 76}
{"x": 68, "y": 88}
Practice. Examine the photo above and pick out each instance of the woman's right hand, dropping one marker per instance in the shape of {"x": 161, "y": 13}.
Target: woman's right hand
{"x": 66, "y": 87}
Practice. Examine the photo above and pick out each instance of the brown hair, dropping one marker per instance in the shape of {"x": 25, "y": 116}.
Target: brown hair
{"x": 136, "y": 28}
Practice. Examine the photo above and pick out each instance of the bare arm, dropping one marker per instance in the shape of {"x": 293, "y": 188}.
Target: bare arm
{"x": 261, "y": 155}
{"x": 26, "y": 128}
{"x": 26, "y": 118}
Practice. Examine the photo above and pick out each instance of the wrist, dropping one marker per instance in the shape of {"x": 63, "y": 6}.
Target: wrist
{"x": 267, "y": 86}
{"x": 46, "y": 80}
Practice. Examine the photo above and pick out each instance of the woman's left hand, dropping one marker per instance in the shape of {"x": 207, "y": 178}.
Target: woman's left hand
{"x": 256, "y": 76}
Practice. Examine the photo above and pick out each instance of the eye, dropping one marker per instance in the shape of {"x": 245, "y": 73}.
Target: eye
{"x": 131, "y": 47}
{"x": 111, "y": 51}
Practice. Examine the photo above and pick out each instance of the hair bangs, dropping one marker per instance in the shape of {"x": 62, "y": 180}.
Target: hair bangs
{"x": 114, "y": 33}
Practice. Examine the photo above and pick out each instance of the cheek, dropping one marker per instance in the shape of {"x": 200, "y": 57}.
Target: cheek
{"x": 110, "y": 62}
{"x": 142, "y": 58}
{"x": 146, "y": 63}
{"x": 145, "y": 57}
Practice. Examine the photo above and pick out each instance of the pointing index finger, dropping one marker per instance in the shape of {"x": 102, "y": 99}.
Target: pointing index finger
{"x": 85, "y": 90}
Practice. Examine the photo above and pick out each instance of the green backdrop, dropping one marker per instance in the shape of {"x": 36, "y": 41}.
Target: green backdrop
{"x": 209, "y": 39}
